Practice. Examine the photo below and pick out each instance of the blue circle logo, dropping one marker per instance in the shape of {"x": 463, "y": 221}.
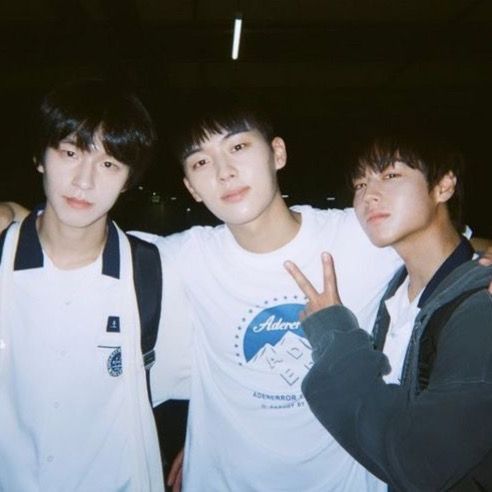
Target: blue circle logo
{"x": 114, "y": 365}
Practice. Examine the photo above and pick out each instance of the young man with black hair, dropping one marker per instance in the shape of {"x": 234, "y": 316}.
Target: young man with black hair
{"x": 73, "y": 398}
{"x": 249, "y": 427}
{"x": 412, "y": 402}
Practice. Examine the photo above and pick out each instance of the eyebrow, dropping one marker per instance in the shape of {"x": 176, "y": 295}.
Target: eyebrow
{"x": 199, "y": 148}
{"x": 69, "y": 140}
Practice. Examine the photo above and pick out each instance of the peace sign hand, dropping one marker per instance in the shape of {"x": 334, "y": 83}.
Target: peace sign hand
{"x": 316, "y": 301}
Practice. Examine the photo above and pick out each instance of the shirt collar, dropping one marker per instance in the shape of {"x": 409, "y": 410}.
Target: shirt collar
{"x": 29, "y": 253}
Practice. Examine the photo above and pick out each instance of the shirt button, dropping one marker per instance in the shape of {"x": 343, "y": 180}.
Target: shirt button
{"x": 56, "y": 404}
{"x": 63, "y": 352}
{"x": 50, "y": 458}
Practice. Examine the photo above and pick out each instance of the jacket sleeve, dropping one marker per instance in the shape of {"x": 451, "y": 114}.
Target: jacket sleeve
{"x": 423, "y": 443}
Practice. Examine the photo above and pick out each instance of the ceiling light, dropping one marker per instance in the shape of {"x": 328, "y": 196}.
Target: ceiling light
{"x": 236, "y": 38}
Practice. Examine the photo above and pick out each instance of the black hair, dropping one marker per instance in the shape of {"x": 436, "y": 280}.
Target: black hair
{"x": 429, "y": 153}
{"x": 217, "y": 116}
{"x": 85, "y": 108}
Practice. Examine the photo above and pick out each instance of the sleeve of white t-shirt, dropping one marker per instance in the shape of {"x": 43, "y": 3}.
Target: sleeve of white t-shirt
{"x": 170, "y": 375}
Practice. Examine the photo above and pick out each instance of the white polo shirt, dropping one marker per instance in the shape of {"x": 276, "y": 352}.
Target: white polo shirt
{"x": 73, "y": 403}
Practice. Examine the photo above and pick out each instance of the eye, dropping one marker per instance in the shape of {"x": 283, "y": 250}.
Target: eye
{"x": 71, "y": 154}
{"x": 109, "y": 164}
{"x": 199, "y": 163}
{"x": 238, "y": 147}
{"x": 67, "y": 150}
{"x": 359, "y": 185}
{"x": 391, "y": 175}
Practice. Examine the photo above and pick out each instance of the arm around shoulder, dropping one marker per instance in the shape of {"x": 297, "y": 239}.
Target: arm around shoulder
{"x": 10, "y": 212}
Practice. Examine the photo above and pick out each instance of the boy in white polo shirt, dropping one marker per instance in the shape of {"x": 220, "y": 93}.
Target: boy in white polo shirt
{"x": 73, "y": 400}
{"x": 413, "y": 403}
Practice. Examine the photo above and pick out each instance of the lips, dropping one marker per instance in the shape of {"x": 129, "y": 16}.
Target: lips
{"x": 376, "y": 217}
{"x": 235, "y": 195}
{"x": 78, "y": 203}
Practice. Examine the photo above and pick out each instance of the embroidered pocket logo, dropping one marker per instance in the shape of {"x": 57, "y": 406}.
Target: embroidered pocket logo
{"x": 114, "y": 365}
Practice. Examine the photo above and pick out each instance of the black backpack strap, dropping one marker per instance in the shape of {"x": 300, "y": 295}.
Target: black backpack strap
{"x": 147, "y": 277}
{"x": 430, "y": 338}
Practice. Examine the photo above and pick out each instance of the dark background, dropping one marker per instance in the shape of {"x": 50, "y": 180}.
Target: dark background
{"x": 327, "y": 70}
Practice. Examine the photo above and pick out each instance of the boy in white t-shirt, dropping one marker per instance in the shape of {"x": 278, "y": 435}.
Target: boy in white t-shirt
{"x": 249, "y": 428}
{"x": 413, "y": 403}
{"x": 73, "y": 398}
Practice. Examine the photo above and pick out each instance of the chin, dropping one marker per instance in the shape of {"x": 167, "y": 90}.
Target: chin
{"x": 380, "y": 241}
{"x": 241, "y": 217}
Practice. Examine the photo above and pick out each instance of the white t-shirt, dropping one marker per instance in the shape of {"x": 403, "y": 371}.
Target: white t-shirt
{"x": 74, "y": 410}
{"x": 402, "y": 314}
{"x": 249, "y": 427}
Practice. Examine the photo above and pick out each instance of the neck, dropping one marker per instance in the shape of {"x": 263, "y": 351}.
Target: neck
{"x": 273, "y": 229}
{"x": 424, "y": 255}
{"x": 70, "y": 247}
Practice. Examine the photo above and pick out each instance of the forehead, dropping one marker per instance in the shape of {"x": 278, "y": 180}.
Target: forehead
{"x": 87, "y": 142}
{"x": 212, "y": 140}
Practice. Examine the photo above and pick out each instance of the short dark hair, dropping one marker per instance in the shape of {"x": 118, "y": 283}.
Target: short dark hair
{"x": 431, "y": 154}
{"x": 87, "y": 107}
{"x": 217, "y": 115}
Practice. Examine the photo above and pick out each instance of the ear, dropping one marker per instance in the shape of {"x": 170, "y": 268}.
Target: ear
{"x": 445, "y": 188}
{"x": 39, "y": 166}
{"x": 192, "y": 191}
{"x": 279, "y": 152}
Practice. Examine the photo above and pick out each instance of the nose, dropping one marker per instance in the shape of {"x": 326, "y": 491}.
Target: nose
{"x": 84, "y": 175}
{"x": 225, "y": 169}
{"x": 372, "y": 193}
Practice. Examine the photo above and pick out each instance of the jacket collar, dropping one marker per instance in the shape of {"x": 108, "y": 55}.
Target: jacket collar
{"x": 462, "y": 253}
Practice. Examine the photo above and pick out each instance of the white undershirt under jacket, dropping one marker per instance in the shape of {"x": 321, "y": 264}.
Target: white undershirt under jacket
{"x": 402, "y": 314}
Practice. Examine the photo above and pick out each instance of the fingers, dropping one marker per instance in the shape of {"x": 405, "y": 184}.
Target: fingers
{"x": 178, "y": 482}
{"x": 175, "y": 473}
{"x": 490, "y": 287}
{"x": 330, "y": 278}
{"x": 486, "y": 259}
{"x": 301, "y": 280}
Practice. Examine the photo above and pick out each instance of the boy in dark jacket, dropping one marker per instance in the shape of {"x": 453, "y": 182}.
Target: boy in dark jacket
{"x": 413, "y": 401}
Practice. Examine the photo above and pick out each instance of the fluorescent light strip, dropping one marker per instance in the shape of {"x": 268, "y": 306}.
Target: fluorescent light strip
{"x": 238, "y": 21}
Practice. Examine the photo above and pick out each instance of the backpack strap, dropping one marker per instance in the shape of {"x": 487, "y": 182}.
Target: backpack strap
{"x": 3, "y": 235}
{"x": 430, "y": 338}
{"x": 147, "y": 277}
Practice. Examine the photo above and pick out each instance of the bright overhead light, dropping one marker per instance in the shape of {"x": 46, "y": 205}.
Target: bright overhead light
{"x": 238, "y": 21}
